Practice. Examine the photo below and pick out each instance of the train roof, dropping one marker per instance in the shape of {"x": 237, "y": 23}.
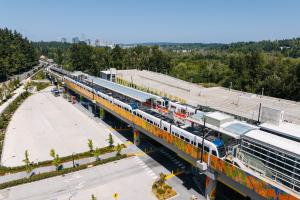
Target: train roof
{"x": 269, "y": 139}
{"x": 157, "y": 115}
{"x": 195, "y": 130}
{"x": 199, "y": 132}
{"x": 234, "y": 128}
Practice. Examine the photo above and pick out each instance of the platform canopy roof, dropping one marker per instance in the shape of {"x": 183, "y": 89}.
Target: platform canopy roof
{"x": 126, "y": 91}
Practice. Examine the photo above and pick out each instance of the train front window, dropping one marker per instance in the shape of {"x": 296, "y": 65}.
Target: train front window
{"x": 222, "y": 151}
{"x": 166, "y": 103}
{"x": 206, "y": 149}
{"x": 214, "y": 152}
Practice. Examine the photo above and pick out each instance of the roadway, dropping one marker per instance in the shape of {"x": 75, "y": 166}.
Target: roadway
{"x": 124, "y": 177}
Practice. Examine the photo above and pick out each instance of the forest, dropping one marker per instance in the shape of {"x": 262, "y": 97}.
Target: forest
{"x": 17, "y": 54}
{"x": 247, "y": 66}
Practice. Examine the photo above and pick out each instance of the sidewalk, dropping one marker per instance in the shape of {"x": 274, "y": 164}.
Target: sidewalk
{"x": 39, "y": 170}
{"x": 16, "y": 92}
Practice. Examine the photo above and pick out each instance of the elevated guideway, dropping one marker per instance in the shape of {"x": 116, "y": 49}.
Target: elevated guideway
{"x": 246, "y": 182}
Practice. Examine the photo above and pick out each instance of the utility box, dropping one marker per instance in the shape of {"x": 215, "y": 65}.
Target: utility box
{"x": 271, "y": 116}
{"x": 217, "y": 118}
{"x": 201, "y": 165}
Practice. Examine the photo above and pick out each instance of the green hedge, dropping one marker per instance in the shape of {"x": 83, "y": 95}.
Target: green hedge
{"x": 58, "y": 173}
{"x": 39, "y": 85}
{"x": 87, "y": 154}
{"x": 40, "y": 75}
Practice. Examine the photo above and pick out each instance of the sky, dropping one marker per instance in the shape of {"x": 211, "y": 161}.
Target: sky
{"x": 136, "y": 21}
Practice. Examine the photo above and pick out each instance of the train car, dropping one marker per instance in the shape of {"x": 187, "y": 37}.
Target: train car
{"x": 212, "y": 147}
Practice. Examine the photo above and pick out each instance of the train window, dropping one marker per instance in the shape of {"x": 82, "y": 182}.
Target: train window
{"x": 206, "y": 148}
{"x": 177, "y": 135}
{"x": 181, "y": 137}
{"x": 165, "y": 129}
{"x": 214, "y": 152}
{"x": 188, "y": 140}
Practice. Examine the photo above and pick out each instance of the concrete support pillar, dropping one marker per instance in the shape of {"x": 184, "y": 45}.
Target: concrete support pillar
{"x": 101, "y": 113}
{"x": 136, "y": 137}
{"x": 210, "y": 188}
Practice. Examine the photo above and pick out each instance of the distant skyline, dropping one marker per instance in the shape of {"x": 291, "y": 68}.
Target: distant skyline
{"x": 141, "y": 21}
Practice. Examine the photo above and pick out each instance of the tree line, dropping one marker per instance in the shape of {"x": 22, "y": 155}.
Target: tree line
{"x": 250, "y": 69}
{"x": 17, "y": 54}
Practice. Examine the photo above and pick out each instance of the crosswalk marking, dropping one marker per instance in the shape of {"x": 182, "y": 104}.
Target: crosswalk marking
{"x": 146, "y": 168}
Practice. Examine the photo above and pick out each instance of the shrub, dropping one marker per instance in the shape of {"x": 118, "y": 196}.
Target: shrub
{"x": 87, "y": 154}
{"x": 39, "y": 75}
{"x": 160, "y": 191}
{"x": 38, "y": 177}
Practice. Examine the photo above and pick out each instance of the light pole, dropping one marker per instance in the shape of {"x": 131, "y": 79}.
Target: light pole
{"x": 205, "y": 133}
{"x": 73, "y": 159}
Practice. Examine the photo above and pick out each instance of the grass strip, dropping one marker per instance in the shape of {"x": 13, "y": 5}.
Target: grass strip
{"x": 38, "y": 177}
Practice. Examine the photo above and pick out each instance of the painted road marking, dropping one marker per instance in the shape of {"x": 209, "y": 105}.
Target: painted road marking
{"x": 128, "y": 143}
{"x": 169, "y": 176}
{"x": 140, "y": 154}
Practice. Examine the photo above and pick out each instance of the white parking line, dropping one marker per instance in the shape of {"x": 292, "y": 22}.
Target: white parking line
{"x": 149, "y": 170}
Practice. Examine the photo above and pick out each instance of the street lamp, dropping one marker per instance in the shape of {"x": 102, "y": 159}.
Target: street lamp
{"x": 73, "y": 159}
{"x": 204, "y": 135}
{"x": 201, "y": 164}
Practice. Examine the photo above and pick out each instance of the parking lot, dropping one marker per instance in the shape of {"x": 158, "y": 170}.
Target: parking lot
{"x": 124, "y": 177}
{"x": 44, "y": 122}
{"x": 220, "y": 98}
